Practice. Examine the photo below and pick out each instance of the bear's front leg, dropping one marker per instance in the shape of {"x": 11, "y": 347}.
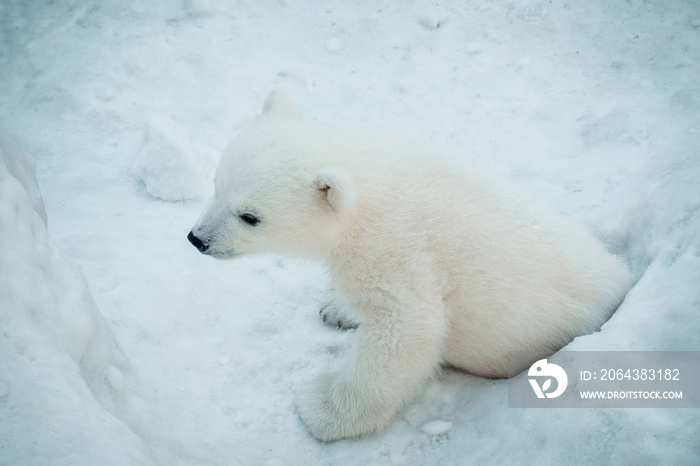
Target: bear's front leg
{"x": 389, "y": 362}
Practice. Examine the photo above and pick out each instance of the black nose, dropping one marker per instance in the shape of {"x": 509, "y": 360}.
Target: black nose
{"x": 197, "y": 243}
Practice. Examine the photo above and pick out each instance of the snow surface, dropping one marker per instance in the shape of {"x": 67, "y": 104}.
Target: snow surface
{"x": 592, "y": 106}
{"x": 436, "y": 427}
{"x": 56, "y": 351}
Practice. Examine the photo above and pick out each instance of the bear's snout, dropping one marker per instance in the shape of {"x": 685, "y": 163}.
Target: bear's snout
{"x": 197, "y": 243}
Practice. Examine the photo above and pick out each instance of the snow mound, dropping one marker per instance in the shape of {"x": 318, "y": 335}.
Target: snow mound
{"x": 56, "y": 352}
{"x": 436, "y": 427}
{"x": 167, "y": 165}
{"x": 22, "y": 168}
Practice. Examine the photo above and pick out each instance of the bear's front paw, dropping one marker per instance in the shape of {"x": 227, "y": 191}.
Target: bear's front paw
{"x": 316, "y": 408}
{"x": 328, "y": 411}
{"x": 335, "y": 315}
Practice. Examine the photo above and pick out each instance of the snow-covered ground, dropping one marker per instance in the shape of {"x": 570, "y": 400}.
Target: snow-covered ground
{"x": 126, "y": 105}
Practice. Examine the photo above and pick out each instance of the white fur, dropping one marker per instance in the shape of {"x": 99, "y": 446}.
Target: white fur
{"x": 436, "y": 262}
{"x": 338, "y": 186}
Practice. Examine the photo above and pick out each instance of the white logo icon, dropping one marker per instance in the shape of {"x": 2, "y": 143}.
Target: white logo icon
{"x": 543, "y": 369}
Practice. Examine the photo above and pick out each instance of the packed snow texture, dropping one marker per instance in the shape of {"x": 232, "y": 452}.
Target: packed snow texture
{"x": 594, "y": 107}
{"x": 56, "y": 353}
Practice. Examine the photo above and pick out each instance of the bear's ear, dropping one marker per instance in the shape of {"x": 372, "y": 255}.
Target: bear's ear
{"x": 338, "y": 188}
{"x": 280, "y": 104}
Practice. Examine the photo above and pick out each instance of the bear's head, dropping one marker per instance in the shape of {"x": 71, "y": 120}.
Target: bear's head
{"x": 275, "y": 189}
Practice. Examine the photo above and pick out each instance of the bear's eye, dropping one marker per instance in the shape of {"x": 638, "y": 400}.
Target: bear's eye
{"x": 250, "y": 219}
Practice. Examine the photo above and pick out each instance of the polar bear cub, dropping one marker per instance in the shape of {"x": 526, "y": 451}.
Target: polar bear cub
{"x": 438, "y": 264}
